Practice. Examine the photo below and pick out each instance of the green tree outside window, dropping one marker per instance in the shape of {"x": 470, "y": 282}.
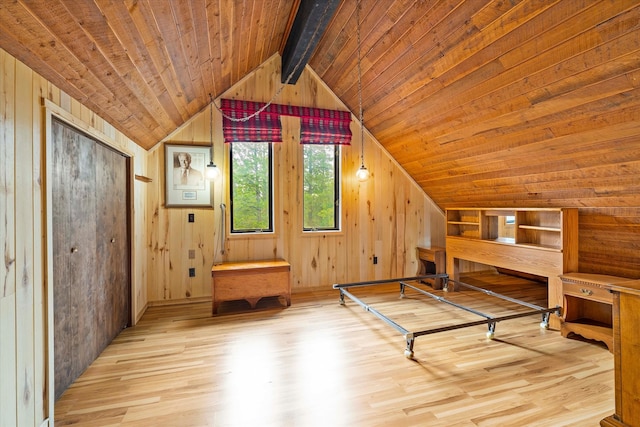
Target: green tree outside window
{"x": 251, "y": 184}
{"x": 321, "y": 187}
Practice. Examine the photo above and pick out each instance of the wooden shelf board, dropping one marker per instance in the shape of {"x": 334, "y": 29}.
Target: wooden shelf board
{"x": 537, "y": 246}
{"x": 539, "y": 228}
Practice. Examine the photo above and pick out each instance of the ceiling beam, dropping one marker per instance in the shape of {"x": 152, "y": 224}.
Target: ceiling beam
{"x": 309, "y": 25}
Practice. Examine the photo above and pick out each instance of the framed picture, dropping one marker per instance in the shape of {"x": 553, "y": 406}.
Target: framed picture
{"x": 185, "y": 181}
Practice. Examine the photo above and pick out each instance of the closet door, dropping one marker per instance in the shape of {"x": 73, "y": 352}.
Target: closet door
{"x": 90, "y": 250}
{"x": 112, "y": 245}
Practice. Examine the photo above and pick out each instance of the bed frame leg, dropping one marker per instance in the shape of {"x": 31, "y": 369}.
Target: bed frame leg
{"x": 491, "y": 332}
{"x": 545, "y": 321}
{"x": 408, "y": 352}
{"x": 401, "y": 290}
{"x": 341, "y": 297}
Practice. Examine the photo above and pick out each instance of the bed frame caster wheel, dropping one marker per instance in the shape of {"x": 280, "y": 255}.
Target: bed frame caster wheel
{"x": 545, "y": 321}
{"x": 341, "y": 300}
{"x": 408, "y": 350}
{"x": 492, "y": 331}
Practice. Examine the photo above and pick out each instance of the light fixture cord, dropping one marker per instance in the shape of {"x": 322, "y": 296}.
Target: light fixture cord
{"x": 289, "y": 77}
{"x": 360, "y": 84}
{"x": 211, "y": 129}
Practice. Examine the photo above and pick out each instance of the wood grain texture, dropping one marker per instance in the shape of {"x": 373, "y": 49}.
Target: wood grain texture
{"x": 250, "y": 281}
{"x": 387, "y": 216}
{"x": 317, "y": 363}
{"x": 483, "y": 103}
{"x": 496, "y": 103}
{"x": 26, "y": 352}
{"x": 91, "y": 247}
{"x": 150, "y": 66}
{"x": 626, "y": 339}
{"x": 519, "y": 103}
{"x": 7, "y": 244}
{"x": 607, "y": 242}
{"x": 523, "y": 104}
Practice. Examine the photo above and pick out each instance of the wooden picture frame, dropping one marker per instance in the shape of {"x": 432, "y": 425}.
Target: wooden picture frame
{"x": 185, "y": 181}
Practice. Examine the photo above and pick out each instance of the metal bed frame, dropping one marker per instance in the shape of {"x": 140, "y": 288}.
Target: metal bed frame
{"x": 410, "y": 336}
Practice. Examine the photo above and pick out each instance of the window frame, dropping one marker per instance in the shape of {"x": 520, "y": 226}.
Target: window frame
{"x": 337, "y": 186}
{"x": 251, "y": 231}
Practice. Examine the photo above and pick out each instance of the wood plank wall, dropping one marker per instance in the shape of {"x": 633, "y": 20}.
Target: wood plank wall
{"x": 608, "y": 241}
{"x": 24, "y": 354}
{"x": 387, "y": 216}
{"x": 22, "y": 338}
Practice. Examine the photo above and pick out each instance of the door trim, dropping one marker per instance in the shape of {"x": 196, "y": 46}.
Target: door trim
{"x": 49, "y": 111}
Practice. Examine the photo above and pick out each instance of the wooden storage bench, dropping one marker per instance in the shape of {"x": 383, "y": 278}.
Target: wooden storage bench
{"x": 250, "y": 281}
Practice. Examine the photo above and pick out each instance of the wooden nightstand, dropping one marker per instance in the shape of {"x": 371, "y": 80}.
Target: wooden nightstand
{"x": 588, "y": 306}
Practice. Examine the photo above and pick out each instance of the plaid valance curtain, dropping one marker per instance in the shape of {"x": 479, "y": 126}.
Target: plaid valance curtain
{"x": 264, "y": 127}
{"x": 326, "y": 127}
{"x": 317, "y": 125}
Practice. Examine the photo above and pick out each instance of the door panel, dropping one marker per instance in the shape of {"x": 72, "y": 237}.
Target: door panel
{"x": 112, "y": 245}
{"x": 91, "y": 250}
{"x": 62, "y": 270}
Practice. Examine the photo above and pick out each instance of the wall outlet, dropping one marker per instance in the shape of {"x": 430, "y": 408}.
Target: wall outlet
{"x": 192, "y": 272}
{"x": 192, "y": 217}
{"x": 375, "y": 259}
{"x": 192, "y": 254}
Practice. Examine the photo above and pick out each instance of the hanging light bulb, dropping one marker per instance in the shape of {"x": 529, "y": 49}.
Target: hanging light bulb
{"x": 213, "y": 172}
{"x": 363, "y": 173}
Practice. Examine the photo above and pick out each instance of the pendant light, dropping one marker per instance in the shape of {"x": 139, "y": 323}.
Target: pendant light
{"x": 212, "y": 172}
{"x": 363, "y": 173}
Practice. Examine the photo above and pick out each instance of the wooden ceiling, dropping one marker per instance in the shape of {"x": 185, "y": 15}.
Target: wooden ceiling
{"x": 493, "y": 103}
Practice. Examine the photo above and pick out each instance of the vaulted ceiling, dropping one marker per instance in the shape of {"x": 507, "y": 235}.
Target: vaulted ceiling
{"x": 487, "y": 102}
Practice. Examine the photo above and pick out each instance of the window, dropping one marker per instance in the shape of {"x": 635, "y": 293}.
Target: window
{"x": 321, "y": 187}
{"x": 251, "y": 187}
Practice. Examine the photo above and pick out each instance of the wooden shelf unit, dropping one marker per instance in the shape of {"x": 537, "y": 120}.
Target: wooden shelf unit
{"x": 541, "y": 241}
{"x": 540, "y": 228}
{"x": 465, "y": 223}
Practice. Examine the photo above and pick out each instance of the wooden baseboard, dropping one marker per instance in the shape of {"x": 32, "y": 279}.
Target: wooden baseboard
{"x": 178, "y": 301}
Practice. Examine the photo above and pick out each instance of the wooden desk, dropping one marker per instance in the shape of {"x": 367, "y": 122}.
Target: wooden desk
{"x": 250, "y": 281}
{"x": 435, "y": 255}
{"x": 626, "y": 347}
{"x": 588, "y": 305}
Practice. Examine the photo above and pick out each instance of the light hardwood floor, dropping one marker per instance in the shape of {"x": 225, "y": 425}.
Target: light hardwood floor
{"x": 318, "y": 363}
